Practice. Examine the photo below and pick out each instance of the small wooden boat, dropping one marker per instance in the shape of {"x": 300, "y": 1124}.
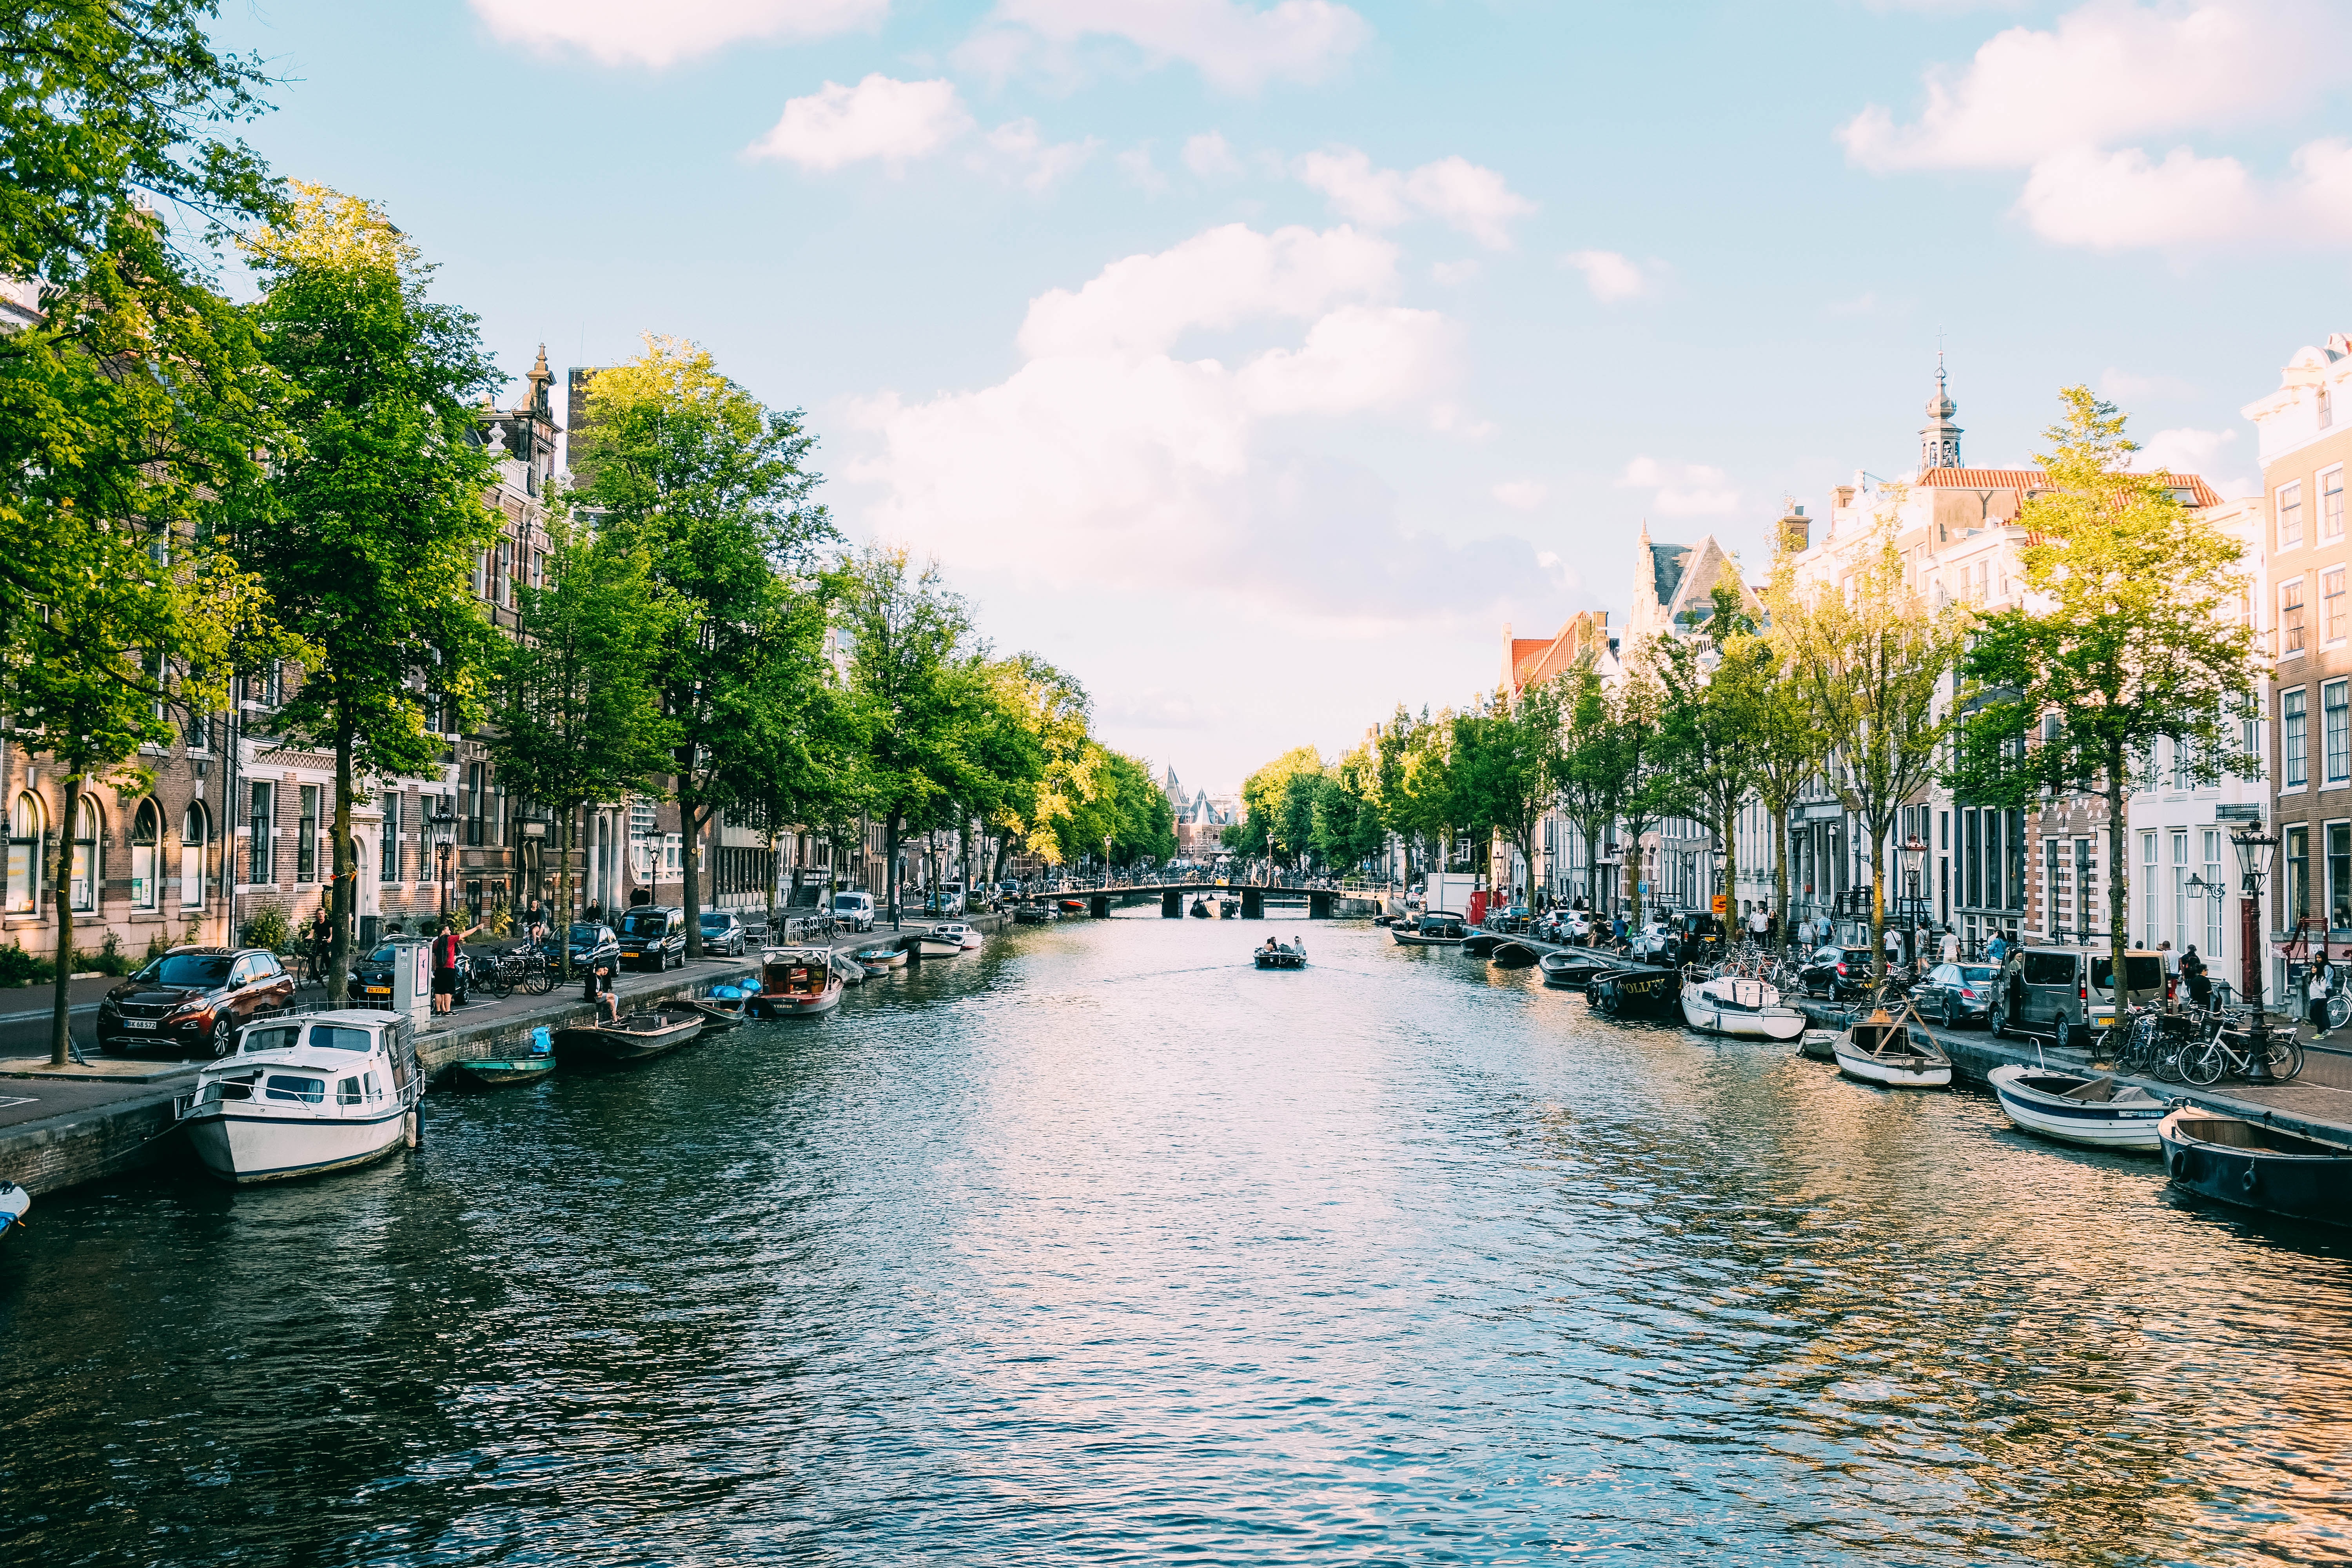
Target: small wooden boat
{"x": 1893, "y": 1053}
{"x": 1635, "y": 991}
{"x": 1570, "y": 969}
{"x": 795, "y": 983}
{"x": 2078, "y": 1108}
{"x": 1482, "y": 944}
{"x": 634, "y": 1036}
{"x": 1281, "y": 955}
{"x": 887, "y": 954}
{"x": 1200, "y": 910}
{"x": 719, "y": 1013}
{"x": 1027, "y": 915}
{"x": 1818, "y": 1044}
{"x": 2251, "y": 1166}
{"x": 1514, "y": 955}
{"x": 1729, "y": 1005}
{"x": 1430, "y": 931}
{"x": 14, "y": 1202}
{"x": 490, "y": 1072}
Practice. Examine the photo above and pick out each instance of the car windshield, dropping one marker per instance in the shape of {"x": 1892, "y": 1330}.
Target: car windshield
{"x": 583, "y": 934}
{"x": 714, "y": 919}
{"x": 187, "y": 969}
{"x": 383, "y": 954}
{"x": 644, "y": 922}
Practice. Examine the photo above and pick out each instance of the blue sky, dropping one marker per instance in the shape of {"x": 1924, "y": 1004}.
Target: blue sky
{"x": 1255, "y": 362}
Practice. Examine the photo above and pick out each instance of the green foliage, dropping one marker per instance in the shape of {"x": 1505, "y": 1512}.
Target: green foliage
{"x": 18, "y": 967}
{"x": 1713, "y": 682}
{"x": 266, "y": 927}
{"x": 109, "y": 958}
{"x": 1507, "y": 761}
{"x": 157, "y": 946}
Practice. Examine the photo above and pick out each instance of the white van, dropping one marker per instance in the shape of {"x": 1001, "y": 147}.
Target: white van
{"x": 948, "y": 899}
{"x": 855, "y": 911}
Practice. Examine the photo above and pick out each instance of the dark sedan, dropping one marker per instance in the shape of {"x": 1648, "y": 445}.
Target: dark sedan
{"x": 1954, "y": 994}
{"x": 371, "y": 975}
{"x": 1837, "y": 972}
{"x": 591, "y": 941}
{"x": 194, "y": 1000}
{"x": 723, "y": 933}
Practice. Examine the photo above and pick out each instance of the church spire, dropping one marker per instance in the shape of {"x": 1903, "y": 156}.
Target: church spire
{"x": 1940, "y": 440}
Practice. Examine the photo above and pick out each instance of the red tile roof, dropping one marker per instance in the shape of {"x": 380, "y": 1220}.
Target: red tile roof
{"x": 2202, "y": 493}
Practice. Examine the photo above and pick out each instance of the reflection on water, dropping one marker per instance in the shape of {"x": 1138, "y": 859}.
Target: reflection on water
{"x": 1102, "y": 1245}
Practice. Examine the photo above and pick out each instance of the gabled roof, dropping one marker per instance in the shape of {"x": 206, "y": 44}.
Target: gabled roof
{"x": 1666, "y": 563}
{"x": 2202, "y": 493}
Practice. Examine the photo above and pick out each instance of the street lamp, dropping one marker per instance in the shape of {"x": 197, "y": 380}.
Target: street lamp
{"x": 444, "y": 822}
{"x": 1914, "y": 851}
{"x": 2255, "y": 848}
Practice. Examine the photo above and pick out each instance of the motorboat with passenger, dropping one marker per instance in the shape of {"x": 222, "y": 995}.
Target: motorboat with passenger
{"x": 306, "y": 1094}
{"x": 795, "y": 983}
{"x": 1281, "y": 955}
{"x": 1734, "y": 1004}
{"x": 2079, "y": 1107}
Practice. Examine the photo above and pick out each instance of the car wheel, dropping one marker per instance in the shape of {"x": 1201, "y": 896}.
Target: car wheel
{"x": 2064, "y": 1039}
{"x": 1944, "y": 1012}
{"x": 224, "y": 1034}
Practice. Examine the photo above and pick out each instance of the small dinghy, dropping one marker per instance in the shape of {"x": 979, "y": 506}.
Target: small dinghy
{"x": 307, "y": 1094}
{"x": 634, "y": 1036}
{"x": 1635, "y": 991}
{"x": 931, "y": 944}
{"x": 720, "y": 1011}
{"x": 1229, "y": 908}
{"x": 15, "y": 1202}
{"x": 962, "y": 935}
{"x": 795, "y": 983}
{"x": 1430, "y": 931}
{"x": 1282, "y": 955}
{"x": 522, "y": 1066}
{"x": 1200, "y": 910}
{"x": 1818, "y": 1044}
{"x": 852, "y": 973}
{"x": 1483, "y": 943}
{"x": 1569, "y": 970}
{"x": 2078, "y": 1108}
{"x": 1729, "y": 1005}
{"x": 1027, "y": 915}
{"x": 1893, "y": 1053}
{"x": 1514, "y": 955}
{"x": 891, "y": 955}
{"x": 2251, "y": 1166}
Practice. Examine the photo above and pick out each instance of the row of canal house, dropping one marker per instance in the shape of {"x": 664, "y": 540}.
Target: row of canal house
{"x": 239, "y": 816}
{"x": 2038, "y": 874}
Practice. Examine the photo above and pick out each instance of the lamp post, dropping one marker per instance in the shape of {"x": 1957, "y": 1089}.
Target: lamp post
{"x": 1914, "y": 851}
{"x": 444, "y": 822}
{"x": 2255, "y": 848}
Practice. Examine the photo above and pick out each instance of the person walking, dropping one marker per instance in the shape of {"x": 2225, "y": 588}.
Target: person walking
{"x": 1997, "y": 950}
{"x": 1951, "y": 945}
{"x": 2316, "y": 990}
{"x": 2193, "y": 977}
{"x": 1894, "y": 947}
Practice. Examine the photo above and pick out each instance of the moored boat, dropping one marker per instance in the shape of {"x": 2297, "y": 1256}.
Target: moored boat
{"x": 931, "y": 944}
{"x": 536, "y": 1060}
{"x": 2078, "y": 1108}
{"x": 1027, "y": 915}
{"x": 1229, "y": 908}
{"x": 1729, "y": 1004}
{"x": 1893, "y": 1053}
{"x": 1570, "y": 969}
{"x": 720, "y": 1011}
{"x": 2250, "y": 1166}
{"x": 1818, "y": 1044}
{"x": 304, "y": 1095}
{"x": 1430, "y": 931}
{"x": 1514, "y": 955}
{"x": 1200, "y": 910}
{"x": 1635, "y": 991}
{"x": 1482, "y": 944}
{"x": 795, "y": 983}
{"x": 633, "y": 1036}
{"x": 884, "y": 955}
{"x": 964, "y": 936}
{"x": 14, "y": 1202}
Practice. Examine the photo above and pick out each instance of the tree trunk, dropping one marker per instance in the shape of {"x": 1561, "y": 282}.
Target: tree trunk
{"x": 61, "y": 1004}
{"x": 775, "y": 870}
{"x": 691, "y": 818}
{"x": 1878, "y": 904}
{"x": 890, "y": 869}
{"x": 1780, "y": 820}
{"x": 346, "y": 884}
{"x": 2119, "y": 896}
{"x": 563, "y": 893}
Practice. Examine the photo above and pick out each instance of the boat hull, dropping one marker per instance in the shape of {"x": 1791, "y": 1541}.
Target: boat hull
{"x": 622, "y": 1045}
{"x": 492, "y": 1073}
{"x": 1637, "y": 991}
{"x": 931, "y": 947}
{"x": 780, "y": 1007}
{"x": 1407, "y": 939}
{"x": 2270, "y": 1173}
{"x": 1282, "y": 960}
{"x": 716, "y": 1018}
{"x": 1868, "y": 1069}
{"x": 1818, "y": 1044}
{"x": 1559, "y": 969}
{"x": 2093, "y": 1124}
{"x": 14, "y": 1202}
{"x": 1716, "y": 1017}
{"x": 246, "y": 1148}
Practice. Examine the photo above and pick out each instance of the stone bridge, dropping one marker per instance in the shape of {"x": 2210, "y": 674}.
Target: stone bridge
{"x": 1322, "y": 903}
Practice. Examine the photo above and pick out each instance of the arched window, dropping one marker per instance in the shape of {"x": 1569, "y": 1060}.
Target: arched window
{"x": 26, "y": 823}
{"x": 82, "y": 882}
{"x": 194, "y": 830}
{"x": 146, "y": 835}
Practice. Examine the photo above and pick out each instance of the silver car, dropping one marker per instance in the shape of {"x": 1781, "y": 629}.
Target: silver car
{"x": 723, "y": 933}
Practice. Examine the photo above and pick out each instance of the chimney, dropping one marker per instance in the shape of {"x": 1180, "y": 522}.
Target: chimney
{"x": 1796, "y": 532}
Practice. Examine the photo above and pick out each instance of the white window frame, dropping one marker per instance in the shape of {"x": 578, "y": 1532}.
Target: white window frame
{"x": 2289, "y": 499}
{"x": 2331, "y": 504}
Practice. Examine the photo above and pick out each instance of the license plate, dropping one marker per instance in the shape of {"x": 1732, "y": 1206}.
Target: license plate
{"x": 379, "y": 990}
{"x": 138, "y": 1023}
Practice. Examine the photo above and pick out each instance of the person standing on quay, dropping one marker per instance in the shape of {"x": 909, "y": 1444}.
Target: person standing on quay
{"x": 2316, "y": 991}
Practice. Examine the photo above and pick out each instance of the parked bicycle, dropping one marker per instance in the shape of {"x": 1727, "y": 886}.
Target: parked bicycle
{"x": 2230, "y": 1053}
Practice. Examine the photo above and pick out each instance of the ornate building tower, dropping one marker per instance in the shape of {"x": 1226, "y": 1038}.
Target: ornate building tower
{"x": 1939, "y": 442}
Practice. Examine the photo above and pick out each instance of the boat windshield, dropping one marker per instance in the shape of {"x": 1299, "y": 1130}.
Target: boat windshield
{"x": 206, "y": 969}
{"x": 341, "y": 1037}
{"x": 286, "y": 1086}
{"x": 280, "y": 1038}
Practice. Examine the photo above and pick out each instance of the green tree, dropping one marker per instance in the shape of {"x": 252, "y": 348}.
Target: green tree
{"x": 1052, "y": 707}
{"x": 1592, "y": 764}
{"x": 378, "y": 500}
{"x": 1710, "y": 682}
{"x": 1278, "y": 818}
{"x": 713, "y": 487}
{"x": 1651, "y": 785}
{"x": 1507, "y": 764}
{"x": 1784, "y": 738}
{"x": 576, "y": 716}
{"x": 1872, "y": 659}
{"x": 2128, "y": 637}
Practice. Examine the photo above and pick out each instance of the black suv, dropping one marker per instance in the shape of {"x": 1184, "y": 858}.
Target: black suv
{"x": 193, "y": 999}
{"x": 654, "y": 936}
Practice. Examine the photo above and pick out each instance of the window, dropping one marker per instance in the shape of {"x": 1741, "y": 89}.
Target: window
{"x": 2331, "y": 605}
{"x": 2289, "y": 516}
{"x": 341, "y": 1037}
{"x": 194, "y": 829}
{"x": 2339, "y": 875}
{"x": 347, "y": 1091}
{"x": 286, "y": 1086}
{"x": 2250, "y": 734}
{"x": 2331, "y": 503}
{"x": 2297, "y": 892}
{"x": 482, "y": 571}
{"x": 305, "y": 837}
{"x": 1972, "y": 859}
{"x": 2326, "y": 411}
{"x": 261, "y": 859}
{"x": 82, "y": 880}
{"x": 146, "y": 837}
{"x": 2085, "y": 887}
{"x": 2214, "y": 905}
{"x": 2291, "y": 617}
{"x": 2291, "y": 754}
{"x": 2148, "y": 900}
{"x": 2181, "y": 926}
{"x": 388, "y": 868}
{"x": 2336, "y": 724}
{"x": 474, "y": 803}
{"x": 27, "y": 839}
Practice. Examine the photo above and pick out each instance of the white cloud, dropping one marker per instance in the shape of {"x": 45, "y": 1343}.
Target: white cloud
{"x": 1681, "y": 490}
{"x": 2193, "y": 451}
{"x": 1237, "y": 45}
{"x": 2123, "y": 388}
{"x": 1860, "y": 305}
{"x": 1475, "y": 199}
{"x": 1155, "y": 707}
{"x": 1019, "y": 151}
{"x": 1136, "y": 166}
{"x": 1610, "y": 276}
{"x": 2110, "y": 201}
{"x": 1105, "y": 459}
{"x": 880, "y": 118}
{"x": 1453, "y": 274}
{"x": 1210, "y": 157}
{"x": 1522, "y": 495}
{"x": 628, "y": 32}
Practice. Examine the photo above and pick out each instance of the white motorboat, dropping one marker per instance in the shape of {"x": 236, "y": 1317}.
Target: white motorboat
{"x": 317, "y": 1092}
{"x": 1729, "y": 1004}
{"x": 14, "y": 1201}
{"x": 2078, "y": 1108}
{"x": 962, "y": 935}
{"x": 1893, "y": 1053}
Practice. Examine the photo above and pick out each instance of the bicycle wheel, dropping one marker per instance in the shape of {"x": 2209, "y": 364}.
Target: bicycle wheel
{"x": 2166, "y": 1063}
{"x": 538, "y": 978}
{"x": 2203, "y": 1065}
{"x": 2285, "y": 1057}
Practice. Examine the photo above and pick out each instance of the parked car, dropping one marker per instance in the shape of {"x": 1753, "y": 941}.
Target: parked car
{"x": 193, "y": 999}
{"x": 1956, "y": 993}
{"x": 1838, "y": 972}
{"x": 370, "y": 982}
{"x": 592, "y": 941}
{"x": 654, "y": 936}
{"x": 723, "y": 933}
{"x": 855, "y": 911}
{"x": 2068, "y": 993}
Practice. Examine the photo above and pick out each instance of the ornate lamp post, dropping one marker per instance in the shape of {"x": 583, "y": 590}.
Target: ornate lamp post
{"x": 444, "y": 822}
{"x": 2255, "y": 848}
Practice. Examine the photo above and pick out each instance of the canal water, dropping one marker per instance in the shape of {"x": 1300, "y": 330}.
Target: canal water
{"x": 1101, "y": 1246}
